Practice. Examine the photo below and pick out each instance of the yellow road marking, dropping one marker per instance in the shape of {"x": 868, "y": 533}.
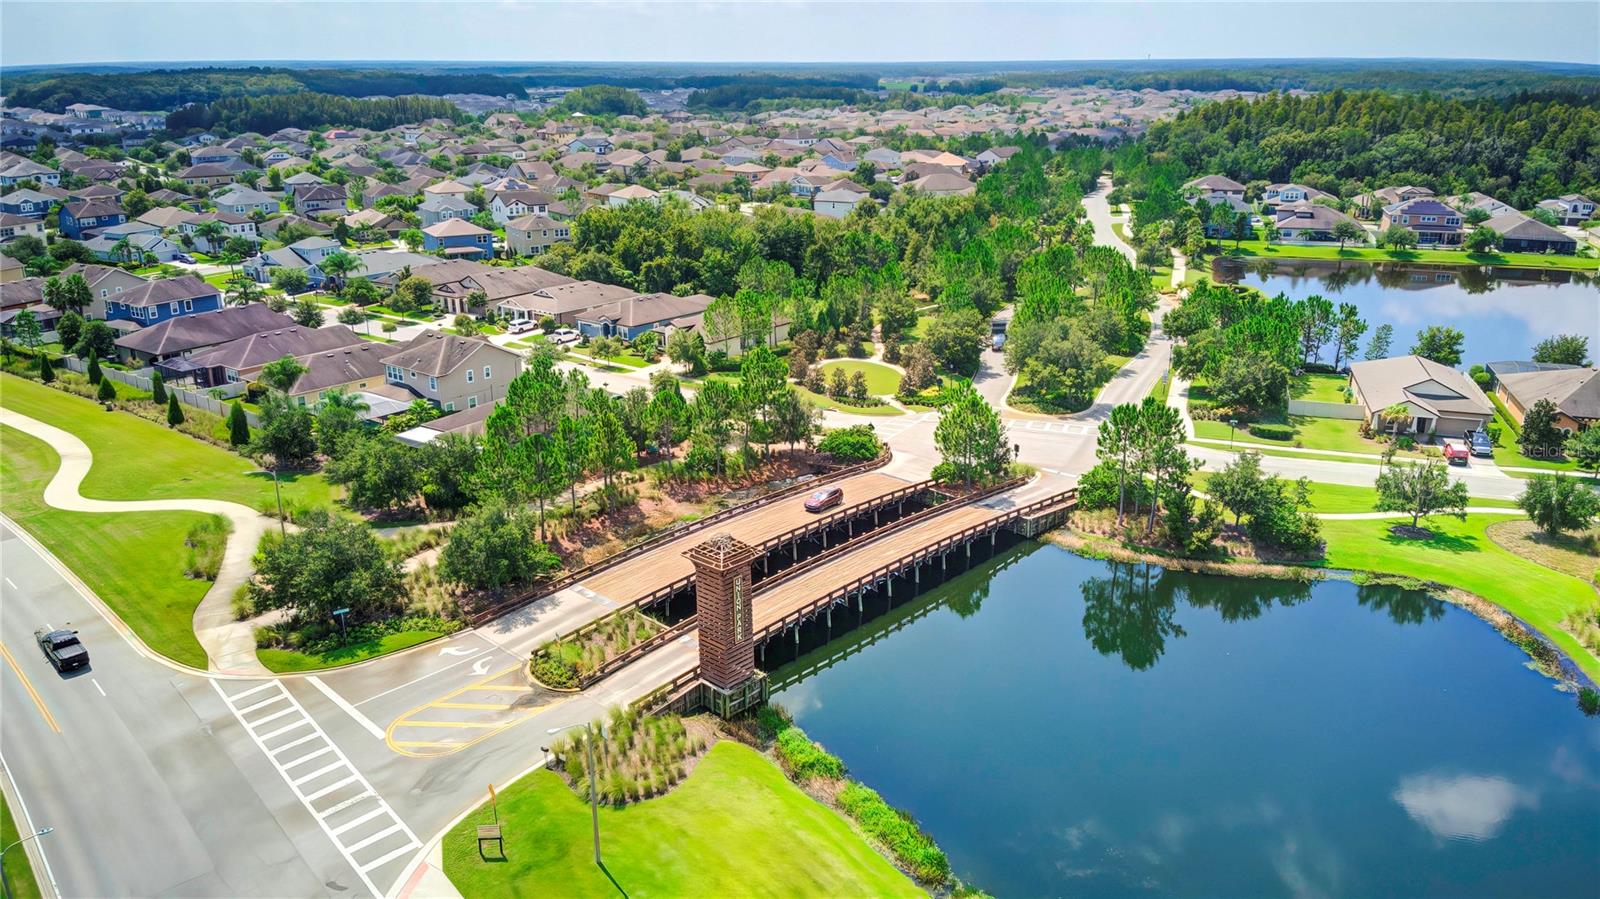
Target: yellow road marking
{"x": 38, "y": 700}
{"x": 485, "y": 729}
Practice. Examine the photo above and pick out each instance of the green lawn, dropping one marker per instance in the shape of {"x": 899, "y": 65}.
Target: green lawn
{"x": 288, "y": 660}
{"x": 133, "y": 562}
{"x": 628, "y": 358}
{"x": 1310, "y": 433}
{"x": 1372, "y": 254}
{"x": 19, "y": 871}
{"x": 1462, "y": 555}
{"x": 395, "y": 313}
{"x": 138, "y": 459}
{"x": 1319, "y": 388}
{"x": 1509, "y": 452}
{"x": 881, "y": 379}
{"x": 1345, "y": 498}
{"x": 831, "y": 403}
{"x": 736, "y": 827}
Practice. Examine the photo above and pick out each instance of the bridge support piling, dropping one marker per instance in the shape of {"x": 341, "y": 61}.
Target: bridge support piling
{"x": 916, "y": 572}
{"x": 850, "y": 528}
{"x": 874, "y": 517}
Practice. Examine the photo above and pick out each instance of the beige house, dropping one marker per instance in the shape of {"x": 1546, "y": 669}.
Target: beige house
{"x": 354, "y": 369}
{"x": 1440, "y": 400}
{"x": 1575, "y": 392}
{"x": 451, "y": 371}
{"x": 533, "y": 234}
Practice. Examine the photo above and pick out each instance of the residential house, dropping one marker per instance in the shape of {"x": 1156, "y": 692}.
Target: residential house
{"x": 205, "y": 176}
{"x": 243, "y": 200}
{"x": 1521, "y": 234}
{"x": 991, "y": 157}
{"x": 459, "y": 238}
{"x": 632, "y": 193}
{"x": 1372, "y": 204}
{"x": 1575, "y": 392}
{"x": 512, "y": 204}
{"x": 944, "y": 184}
{"x": 166, "y": 218}
{"x": 1570, "y": 209}
{"x": 157, "y": 301}
{"x": 235, "y": 226}
{"x": 436, "y": 209}
{"x": 593, "y": 142}
{"x": 354, "y": 368}
{"x": 1275, "y": 195}
{"x": 531, "y": 235}
{"x": 839, "y": 198}
{"x": 26, "y": 203}
{"x": 106, "y": 284}
{"x": 447, "y": 189}
{"x": 241, "y": 359}
{"x": 319, "y": 198}
{"x": 218, "y": 155}
{"x": 1309, "y": 221}
{"x": 630, "y": 317}
{"x": 1440, "y": 400}
{"x": 85, "y": 217}
{"x": 24, "y": 169}
{"x": 1215, "y": 187}
{"x": 1486, "y": 204}
{"x": 885, "y": 158}
{"x": 451, "y": 371}
{"x": 302, "y": 254}
{"x": 272, "y": 227}
{"x": 561, "y": 301}
{"x": 15, "y": 226}
{"x": 1435, "y": 223}
{"x": 141, "y": 246}
{"x": 370, "y": 224}
{"x": 456, "y": 282}
{"x": 187, "y": 334}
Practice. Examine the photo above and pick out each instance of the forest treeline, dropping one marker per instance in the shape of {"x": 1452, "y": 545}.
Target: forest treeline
{"x": 1519, "y": 149}
{"x": 266, "y": 114}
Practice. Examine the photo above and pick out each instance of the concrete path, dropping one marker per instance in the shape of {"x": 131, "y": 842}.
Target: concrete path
{"x": 1376, "y": 516}
{"x": 230, "y": 645}
{"x": 1100, "y": 216}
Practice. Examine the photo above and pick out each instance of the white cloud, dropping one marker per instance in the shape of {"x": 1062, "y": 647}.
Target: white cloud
{"x": 1464, "y": 807}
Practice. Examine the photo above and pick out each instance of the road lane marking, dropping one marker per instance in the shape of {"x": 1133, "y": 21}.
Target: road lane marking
{"x": 368, "y": 841}
{"x": 44, "y": 710}
{"x": 423, "y": 677}
{"x": 281, "y": 713}
{"x": 487, "y": 706}
{"x": 262, "y": 704}
{"x": 366, "y": 794}
{"x": 27, "y": 820}
{"x": 348, "y": 709}
{"x": 97, "y": 686}
{"x": 463, "y": 724}
{"x": 10, "y": 584}
{"x": 250, "y": 692}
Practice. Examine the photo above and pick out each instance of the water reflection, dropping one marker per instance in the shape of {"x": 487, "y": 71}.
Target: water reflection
{"x": 1465, "y": 807}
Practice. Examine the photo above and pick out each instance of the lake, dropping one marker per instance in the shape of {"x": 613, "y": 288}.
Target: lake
{"x": 1502, "y": 312}
{"x": 1070, "y": 727}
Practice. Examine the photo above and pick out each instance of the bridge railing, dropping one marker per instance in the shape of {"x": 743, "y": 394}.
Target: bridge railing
{"x": 492, "y": 610}
{"x": 816, "y": 525}
{"x": 890, "y": 569}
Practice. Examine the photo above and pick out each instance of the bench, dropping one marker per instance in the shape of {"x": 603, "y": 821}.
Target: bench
{"x": 490, "y": 833}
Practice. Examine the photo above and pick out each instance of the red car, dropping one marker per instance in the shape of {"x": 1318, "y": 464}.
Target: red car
{"x": 1456, "y": 451}
{"x": 826, "y": 498}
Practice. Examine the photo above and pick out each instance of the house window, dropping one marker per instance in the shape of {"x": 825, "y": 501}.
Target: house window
{"x": 232, "y": 376}
{"x": 449, "y": 407}
{"x": 486, "y": 373}
{"x": 433, "y": 384}
{"x": 1430, "y": 218}
{"x": 469, "y": 376}
{"x": 103, "y": 293}
{"x": 472, "y": 401}
{"x": 173, "y": 307}
{"x": 188, "y": 305}
{"x": 393, "y": 374}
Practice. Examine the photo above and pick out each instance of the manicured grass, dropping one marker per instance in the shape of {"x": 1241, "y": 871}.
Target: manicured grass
{"x": 628, "y": 358}
{"x": 881, "y": 379}
{"x": 138, "y": 459}
{"x": 1319, "y": 388}
{"x": 831, "y": 403}
{"x": 1311, "y": 433}
{"x": 735, "y": 827}
{"x": 288, "y": 660}
{"x": 1345, "y": 498}
{"x": 395, "y": 313}
{"x": 1509, "y": 452}
{"x": 19, "y": 871}
{"x": 134, "y": 562}
{"x": 1462, "y": 555}
{"x": 1372, "y": 254}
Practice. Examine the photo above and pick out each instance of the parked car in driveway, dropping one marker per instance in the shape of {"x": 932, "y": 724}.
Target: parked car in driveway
{"x": 564, "y": 336}
{"x": 1456, "y": 452}
{"x": 62, "y": 648}
{"x": 184, "y": 258}
{"x": 825, "y": 498}
{"x": 523, "y": 326}
{"x": 1481, "y": 444}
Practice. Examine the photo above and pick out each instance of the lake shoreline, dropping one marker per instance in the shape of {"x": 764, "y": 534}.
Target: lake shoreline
{"x": 1544, "y": 656}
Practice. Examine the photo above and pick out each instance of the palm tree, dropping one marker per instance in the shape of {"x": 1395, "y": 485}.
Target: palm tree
{"x": 211, "y": 231}
{"x": 245, "y": 291}
{"x": 339, "y": 265}
{"x": 123, "y": 250}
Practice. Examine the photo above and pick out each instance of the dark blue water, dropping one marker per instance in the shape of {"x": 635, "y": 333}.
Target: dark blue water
{"x": 1502, "y": 312}
{"x": 1071, "y": 727}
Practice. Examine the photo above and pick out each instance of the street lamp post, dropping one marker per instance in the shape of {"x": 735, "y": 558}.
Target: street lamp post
{"x": 4, "y": 882}
{"x": 283, "y": 529}
{"x": 594, "y": 795}
{"x": 1232, "y": 423}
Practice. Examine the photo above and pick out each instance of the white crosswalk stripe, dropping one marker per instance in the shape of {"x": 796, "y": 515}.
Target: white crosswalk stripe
{"x": 358, "y": 821}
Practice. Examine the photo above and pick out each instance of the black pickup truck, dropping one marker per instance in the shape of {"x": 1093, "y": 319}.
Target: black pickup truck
{"x": 62, "y": 649}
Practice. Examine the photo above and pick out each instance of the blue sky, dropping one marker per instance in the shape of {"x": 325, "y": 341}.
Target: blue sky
{"x": 33, "y": 33}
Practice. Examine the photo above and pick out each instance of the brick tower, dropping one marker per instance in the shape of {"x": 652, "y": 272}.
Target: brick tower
{"x": 727, "y": 646}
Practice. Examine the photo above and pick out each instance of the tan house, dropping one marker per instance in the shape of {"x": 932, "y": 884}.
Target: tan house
{"x": 451, "y": 371}
{"x": 533, "y": 234}
{"x": 561, "y": 302}
{"x": 357, "y": 368}
{"x": 1574, "y": 391}
{"x": 1440, "y": 400}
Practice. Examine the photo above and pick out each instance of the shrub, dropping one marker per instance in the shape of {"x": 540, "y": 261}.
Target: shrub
{"x": 107, "y": 392}
{"x": 551, "y": 667}
{"x": 857, "y": 443}
{"x": 206, "y": 542}
{"x": 1589, "y": 701}
{"x": 805, "y": 759}
{"x": 1271, "y": 431}
{"x": 896, "y": 830}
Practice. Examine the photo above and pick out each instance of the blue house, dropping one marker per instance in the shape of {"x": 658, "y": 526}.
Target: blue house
{"x": 89, "y": 215}
{"x": 159, "y": 301}
{"x": 458, "y": 238}
{"x": 26, "y": 203}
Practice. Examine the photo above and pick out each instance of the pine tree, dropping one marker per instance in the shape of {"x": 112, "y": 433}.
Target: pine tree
{"x": 174, "y": 414}
{"x": 108, "y": 390}
{"x": 238, "y": 425}
{"x": 46, "y": 372}
{"x": 158, "y": 389}
{"x": 94, "y": 370}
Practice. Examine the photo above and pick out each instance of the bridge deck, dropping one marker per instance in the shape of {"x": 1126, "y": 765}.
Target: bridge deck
{"x": 802, "y": 590}
{"x": 666, "y": 564}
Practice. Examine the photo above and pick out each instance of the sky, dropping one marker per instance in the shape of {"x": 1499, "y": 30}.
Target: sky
{"x": 66, "y": 31}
